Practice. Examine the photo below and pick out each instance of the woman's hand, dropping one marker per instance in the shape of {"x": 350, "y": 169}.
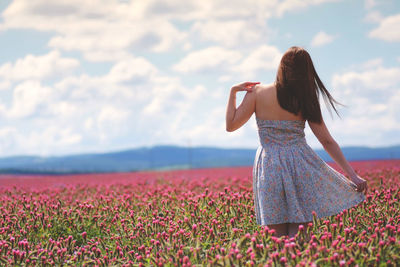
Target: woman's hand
{"x": 360, "y": 183}
{"x": 245, "y": 86}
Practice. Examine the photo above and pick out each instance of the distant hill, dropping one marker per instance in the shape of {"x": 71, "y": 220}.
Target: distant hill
{"x": 163, "y": 157}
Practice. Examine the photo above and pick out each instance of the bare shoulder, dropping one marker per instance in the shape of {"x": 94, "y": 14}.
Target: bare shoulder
{"x": 264, "y": 88}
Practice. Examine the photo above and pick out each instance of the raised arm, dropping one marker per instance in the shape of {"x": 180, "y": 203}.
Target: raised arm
{"x": 333, "y": 149}
{"x": 235, "y": 118}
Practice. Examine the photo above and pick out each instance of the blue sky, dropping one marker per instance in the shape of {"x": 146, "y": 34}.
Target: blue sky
{"x": 96, "y": 76}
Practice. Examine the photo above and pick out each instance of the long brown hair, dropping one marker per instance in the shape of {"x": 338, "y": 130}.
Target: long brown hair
{"x": 298, "y": 86}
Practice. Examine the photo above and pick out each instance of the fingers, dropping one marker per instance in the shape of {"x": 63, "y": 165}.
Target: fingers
{"x": 249, "y": 87}
{"x": 251, "y": 83}
{"x": 363, "y": 187}
{"x": 246, "y": 86}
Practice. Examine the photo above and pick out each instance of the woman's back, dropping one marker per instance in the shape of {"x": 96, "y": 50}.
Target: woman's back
{"x": 290, "y": 181}
{"x": 267, "y": 105}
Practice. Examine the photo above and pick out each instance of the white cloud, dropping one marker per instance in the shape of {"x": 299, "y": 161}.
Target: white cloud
{"x": 225, "y": 78}
{"x": 387, "y": 29}
{"x": 131, "y": 68}
{"x": 105, "y": 32}
{"x": 59, "y": 137}
{"x": 372, "y": 63}
{"x": 372, "y": 97}
{"x": 72, "y": 102}
{"x": 263, "y": 58}
{"x": 373, "y": 17}
{"x": 38, "y": 67}
{"x": 7, "y": 139}
{"x": 375, "y": 79}
{"x": 110, "y": 121}
{"x": 370, "y": 4}
{"x": 5, "y": 85}
{"x": 64, "y": 109}
{"x": 232, "y": 33}
{"x": 44, "y": 141}
{"x": 112, "y": 30}
{"x": 134, "y": 101}
{"x": 366, "y": 65}
{"x": 230, "y": 62}
{"x": 290, "y": 5}
{"x": 29, "y": 98}
{"x": 322, "y": 38}
{"x": 208, "y": 59}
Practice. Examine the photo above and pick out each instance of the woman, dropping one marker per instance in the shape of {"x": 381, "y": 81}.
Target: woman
{"x": 290, "y": 181}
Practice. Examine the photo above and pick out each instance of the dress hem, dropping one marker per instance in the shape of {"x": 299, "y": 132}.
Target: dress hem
{"x": 322, "y": 215}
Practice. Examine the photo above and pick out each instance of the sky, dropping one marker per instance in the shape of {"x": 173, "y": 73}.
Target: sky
{"x": 96, "y": 76}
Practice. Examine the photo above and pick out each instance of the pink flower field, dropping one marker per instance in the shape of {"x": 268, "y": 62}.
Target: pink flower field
{"x": 186, "y": 218}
